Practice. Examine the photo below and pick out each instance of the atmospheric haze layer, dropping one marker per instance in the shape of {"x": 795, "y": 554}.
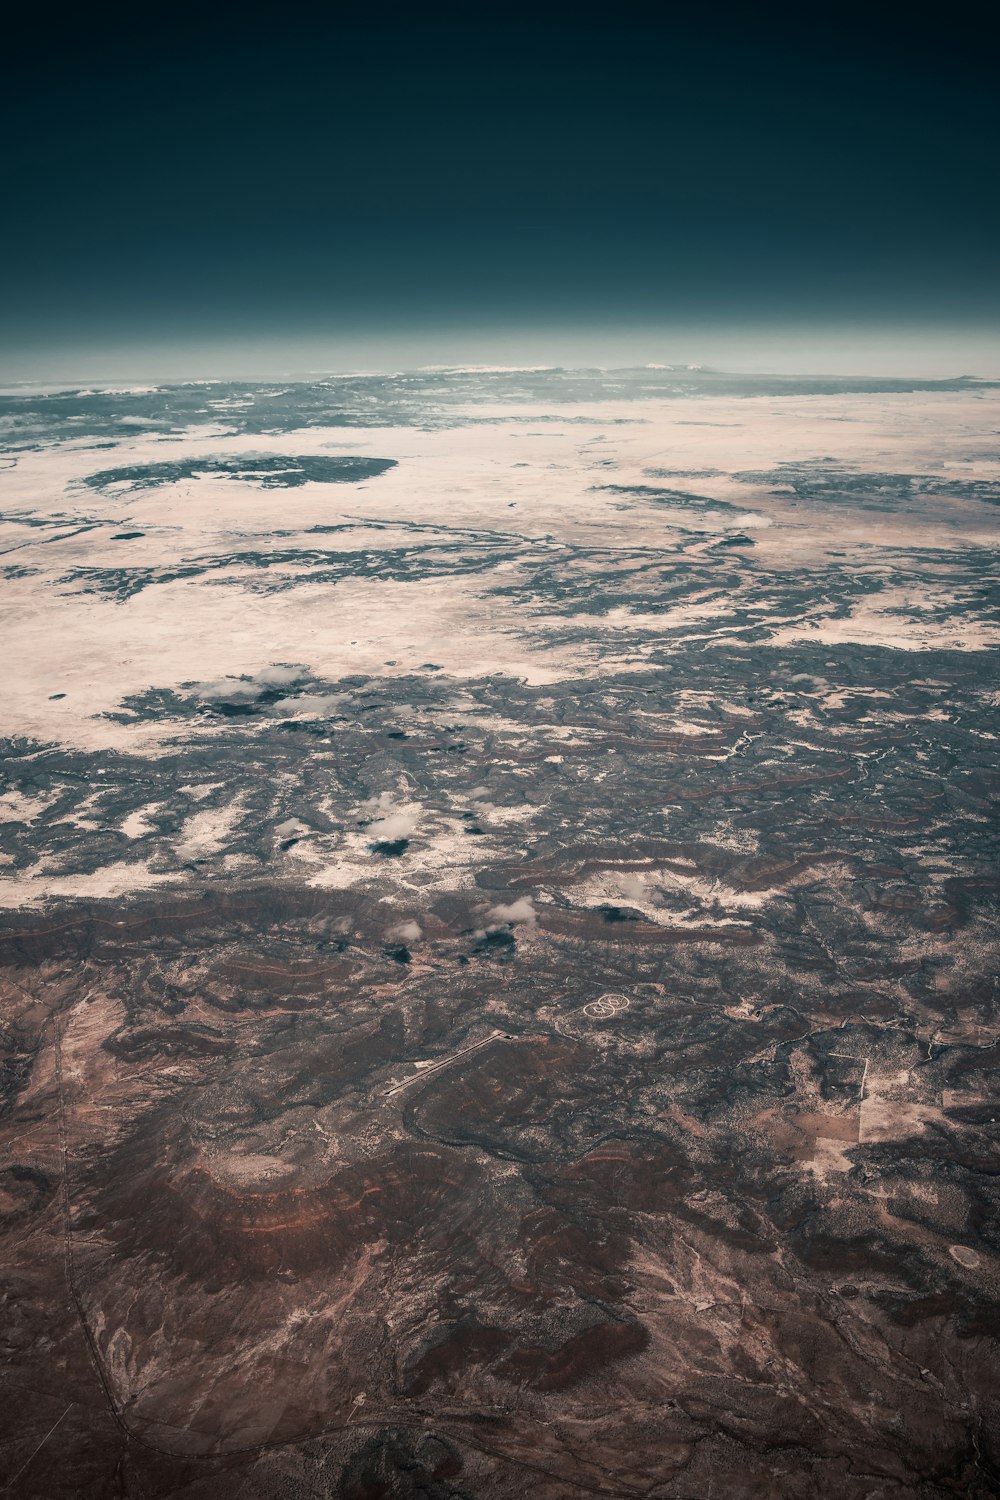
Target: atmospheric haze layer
{"x": 498, "y": 878}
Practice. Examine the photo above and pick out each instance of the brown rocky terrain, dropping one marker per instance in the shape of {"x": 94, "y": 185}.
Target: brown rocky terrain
{"x": 281, "y": 1224}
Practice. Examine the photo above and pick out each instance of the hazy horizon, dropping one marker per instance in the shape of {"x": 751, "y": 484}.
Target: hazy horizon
{"x": 916, "y": 353}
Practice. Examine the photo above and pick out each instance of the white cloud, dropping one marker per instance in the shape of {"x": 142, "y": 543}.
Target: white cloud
{"x": 278, "y": 676}
{"x": 395, "y": 826}
{"x": 311, "y": 703}
{"x": 291, "y": 828}
{"x": 405, "y": 932}
{"x": 240, "y": 687}
{"x": 520, "y": 910}
{"x": 226, "y": 687}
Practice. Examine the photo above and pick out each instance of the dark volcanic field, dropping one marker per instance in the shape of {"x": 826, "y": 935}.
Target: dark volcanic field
{"x": 691, "y": 1197}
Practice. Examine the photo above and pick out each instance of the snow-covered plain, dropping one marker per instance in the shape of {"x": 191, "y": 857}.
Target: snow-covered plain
{"x": 166, "y": 553}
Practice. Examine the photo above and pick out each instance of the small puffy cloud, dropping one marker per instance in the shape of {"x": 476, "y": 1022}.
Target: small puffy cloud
{"x": 633, "y": 888}
{"x": 405, "y": 932}
{"x": 749, "y": 520}
{"x": 520, "y": 910}
{"x": 311, "y": 703}
{"x": 278, "y": 676}
{"x": 226, "y": 687}
{"x": 291, "y": 828}
{"x": 242, "y": 687}
{"x": 395, "y": 826}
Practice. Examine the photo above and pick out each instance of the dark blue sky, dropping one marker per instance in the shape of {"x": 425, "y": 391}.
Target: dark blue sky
{"x": 185, "y": 175}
